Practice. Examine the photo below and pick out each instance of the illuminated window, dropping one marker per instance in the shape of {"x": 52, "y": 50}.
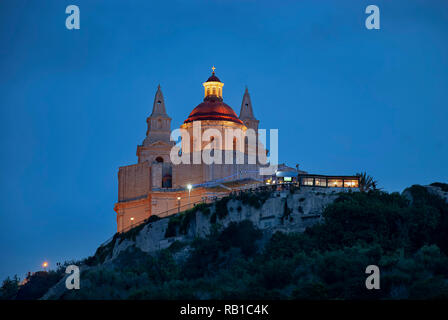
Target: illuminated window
{"x": 335, "y": 183}
{"x": 351, "y": 183}
{"x": 307, "y": 181}
{"x": 321, "y": 182}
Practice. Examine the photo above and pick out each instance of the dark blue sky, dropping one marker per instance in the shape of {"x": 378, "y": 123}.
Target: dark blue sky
{"x": 74, "y": 103}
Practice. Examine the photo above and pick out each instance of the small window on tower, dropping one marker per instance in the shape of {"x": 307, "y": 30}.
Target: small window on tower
{"x": 159, "y": 159}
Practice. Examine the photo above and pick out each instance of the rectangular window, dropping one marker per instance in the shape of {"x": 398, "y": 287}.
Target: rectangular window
{"x": 335, "y": 183}
{"x": 351, "y": 183}
{"x": 307, "y": 181}
{"x": 321, "y": 182}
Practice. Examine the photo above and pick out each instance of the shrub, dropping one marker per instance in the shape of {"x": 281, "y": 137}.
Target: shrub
{"x": 286, "y": 211}
{"x": 38, "y": 284}
{"x": 173, "y": 224}
{"x": 443, "y": 186}
{"x": 9, "y": 288}
{"x": 221, "y": 207}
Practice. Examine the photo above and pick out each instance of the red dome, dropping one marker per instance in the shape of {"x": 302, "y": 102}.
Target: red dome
{"x": 213, "y": 109}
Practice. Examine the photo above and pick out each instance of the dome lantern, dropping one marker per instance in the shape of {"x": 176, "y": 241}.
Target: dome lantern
{"x": 213, "y": 87}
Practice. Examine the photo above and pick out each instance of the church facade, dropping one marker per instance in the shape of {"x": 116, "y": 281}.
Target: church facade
{"x": 157, "y": 186}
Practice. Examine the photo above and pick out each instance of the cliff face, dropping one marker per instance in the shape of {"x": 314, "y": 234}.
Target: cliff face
{"x": 284, "y": 211}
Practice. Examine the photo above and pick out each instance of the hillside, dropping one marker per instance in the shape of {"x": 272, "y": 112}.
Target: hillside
{"x": 298, "y": 244}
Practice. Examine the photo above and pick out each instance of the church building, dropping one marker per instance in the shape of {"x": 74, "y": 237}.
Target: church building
{"x": 168, "y": 179}
{"x": 157, "y": 186}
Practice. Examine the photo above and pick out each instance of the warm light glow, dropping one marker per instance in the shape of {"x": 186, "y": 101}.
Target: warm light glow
{"x": 45, "y": 264}
{"x": 178, "y": 198}
{"x": 132, "y": 219}
{"x": 189, "y": 187}
{"x": 213, "y": 88}
{"x": 351, "y": 183}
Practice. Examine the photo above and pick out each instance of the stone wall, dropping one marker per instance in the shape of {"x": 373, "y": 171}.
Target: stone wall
{"x": 133, "y": 181}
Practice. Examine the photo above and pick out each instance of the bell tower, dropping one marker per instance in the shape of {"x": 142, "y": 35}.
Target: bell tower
{"x": 156, "y": 145}
{"x": 246, "y": 113}
{"x": 159, "y": 123}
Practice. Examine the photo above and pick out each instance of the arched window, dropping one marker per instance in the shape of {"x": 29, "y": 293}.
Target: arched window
{"x": 159, "y": 159}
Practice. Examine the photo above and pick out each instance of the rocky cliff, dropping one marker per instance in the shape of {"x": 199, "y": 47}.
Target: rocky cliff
{"x": 286, "y": 211}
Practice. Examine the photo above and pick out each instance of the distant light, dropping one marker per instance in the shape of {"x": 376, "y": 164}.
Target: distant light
{"x": 132, "y": 219}
{"x": 45, "y": 264}
{"x": 178, "y": 198}
{"x": 189, "y": 187}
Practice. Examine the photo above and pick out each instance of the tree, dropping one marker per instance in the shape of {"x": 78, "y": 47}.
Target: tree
{"x": 366, "y": 182}
{"x": 9, "y": 288}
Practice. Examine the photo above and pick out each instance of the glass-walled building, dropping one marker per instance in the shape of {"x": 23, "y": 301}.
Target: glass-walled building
{"x": 312, "y": 180}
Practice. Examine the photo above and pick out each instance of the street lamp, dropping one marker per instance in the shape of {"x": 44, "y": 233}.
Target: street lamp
{"x": 45, "y": 265}
{"x": 178, "y": 204}
{"x": 189, "y": 187}
{"x": 132, "y": 222}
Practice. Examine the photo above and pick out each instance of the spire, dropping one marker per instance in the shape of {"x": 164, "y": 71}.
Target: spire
{"x": 159, "y": 123}
{"x": 246, "y": 112}
{"x": 158, "y": 108}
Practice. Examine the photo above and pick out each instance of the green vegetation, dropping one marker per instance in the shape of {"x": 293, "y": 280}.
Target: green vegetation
{"x": 253, "y": 199}
{"x": 366, "y": 182}
{"x": 180, "y": 222}
{"x": 286, "y": 211}
{"x": 35, "y": 287}
{"x": 408, "y": 240}
{"x": 9, "y": 288}
{"x": 443, "y": 186}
